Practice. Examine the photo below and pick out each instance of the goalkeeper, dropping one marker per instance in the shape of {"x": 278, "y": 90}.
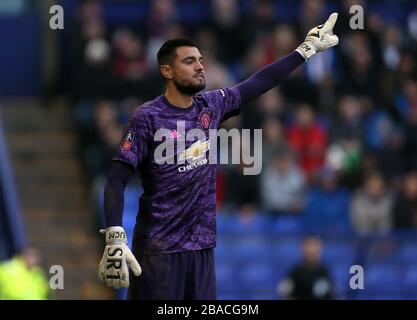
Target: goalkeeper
{"x": 172, "y": 249}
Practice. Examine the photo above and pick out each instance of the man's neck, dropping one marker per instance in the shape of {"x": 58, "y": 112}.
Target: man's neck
{"x": 178, "y": 99}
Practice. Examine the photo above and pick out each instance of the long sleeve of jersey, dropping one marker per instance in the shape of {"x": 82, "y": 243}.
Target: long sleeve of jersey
{"x": 117, "y": 180}
{"x": 268, "y": 77}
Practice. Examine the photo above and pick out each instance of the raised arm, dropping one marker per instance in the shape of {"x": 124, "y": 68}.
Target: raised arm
{"x": 318, "y": 39}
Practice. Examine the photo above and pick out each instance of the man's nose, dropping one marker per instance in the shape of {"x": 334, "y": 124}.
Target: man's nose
{"x": 199, "y": 66}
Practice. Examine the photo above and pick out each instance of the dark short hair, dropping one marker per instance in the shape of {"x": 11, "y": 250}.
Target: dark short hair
{"x": 166, "y": 53}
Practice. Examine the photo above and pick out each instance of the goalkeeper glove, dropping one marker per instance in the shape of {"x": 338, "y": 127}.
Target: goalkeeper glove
{"x": 319, "y": 38}
{"x": 117, "y": 257}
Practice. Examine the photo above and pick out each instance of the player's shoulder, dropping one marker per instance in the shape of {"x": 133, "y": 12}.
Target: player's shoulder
{"x": 147, "y": 110}
{"x": 212, "y": 94}
{"x": 220, "y": 95}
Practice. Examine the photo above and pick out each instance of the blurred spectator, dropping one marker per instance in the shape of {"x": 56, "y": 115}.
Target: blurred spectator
{"x": 273, "y": 140}
{"x": 391, "y": 160}
{"x": 254, "y": 59}
{"x": 405, "y": 205}
{"x": 378, "y": 129}
{"x": 392, "y": 45}
{"x": 406, "y": 99}
{"x": 284, "y": 40}
{"x": 371, "y": 207}
{"x": 410, "y": 148}
{"x": 345, "y": 152}
{"x": 327, "y": 205}
{"x": 308, "y": 139}
{"x": 361, "y": 74}
{"x": 260, "y": 24}
{"x": 93, "y": 77}
{"x": 412, "y": 24}
{"x": 297, "y": 90}
{"x": 172, "y": 31}
{"x": 207, "y": 41}
{"x": 242, "y": 190}
{"x": 270, "y": 107}
{"x": 226, "y": 22}
{"x": 88, "y": 24}
{"x": 163, "y": 23}
{"x": 385, "y": 138}
{"x": 129, "y": 60}
{"x": 12, "y": 6}
{"x": 90, "y": 68}
{"x": 313, "y": 14}
{"x": 163, "y": 13}
{"x": 22, "y": 277}
{"x": 347, "y": 125}
{"x": 310, "y": 279}
{"x": 106, "y": 135}
{"x": 345, "y": 158}
{"x": 216, "y": 74}
{"x": 282, "y": 185}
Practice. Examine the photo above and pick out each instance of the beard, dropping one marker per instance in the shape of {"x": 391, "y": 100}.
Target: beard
{"x": 189, "y": 89}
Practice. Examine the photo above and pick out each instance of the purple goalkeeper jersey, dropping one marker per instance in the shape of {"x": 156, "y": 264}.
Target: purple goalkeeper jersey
{"x": 177, "y": 210}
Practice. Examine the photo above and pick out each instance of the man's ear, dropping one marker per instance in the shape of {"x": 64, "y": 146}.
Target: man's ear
{"x": 166, "y": 71}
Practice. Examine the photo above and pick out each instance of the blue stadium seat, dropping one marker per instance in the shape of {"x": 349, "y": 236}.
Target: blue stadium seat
{"x": 225, "y": 223}
{"x": 226, "y": 276}
{"x": 381, "y": 250}
{"x": 131, "y": 203}
{"x": 407, "y": 253}
{"x": 339, "y": 251}
{"x": 410, "y": 278}
{"x": 225, "y": 246}
{"x": 258, "y": 276}
{"x": 388, "y": 295}
{"x": 253, "y": 247}
{"x": 233, "y": 224}
{"x": 287, "y": 225}
{"x": 339, "y": 273}
{"x": 382, "y": 277}
{"x": 192, "y": 12}
{"x": 126, "y": 13}
{"x": 287, "y": 250}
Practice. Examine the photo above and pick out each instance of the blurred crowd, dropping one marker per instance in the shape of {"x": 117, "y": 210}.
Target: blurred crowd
{"x": 339, "y": 136}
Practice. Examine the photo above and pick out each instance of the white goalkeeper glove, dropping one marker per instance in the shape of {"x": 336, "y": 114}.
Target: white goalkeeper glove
{"x": 116, "y": 260}
{"x": 319, "y": 38}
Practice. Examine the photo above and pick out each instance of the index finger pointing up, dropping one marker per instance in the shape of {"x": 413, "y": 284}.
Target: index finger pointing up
{"x": 328, "y": 26}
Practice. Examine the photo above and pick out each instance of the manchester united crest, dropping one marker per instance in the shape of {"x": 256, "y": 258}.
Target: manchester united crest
{"x": 205, "y": 118}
